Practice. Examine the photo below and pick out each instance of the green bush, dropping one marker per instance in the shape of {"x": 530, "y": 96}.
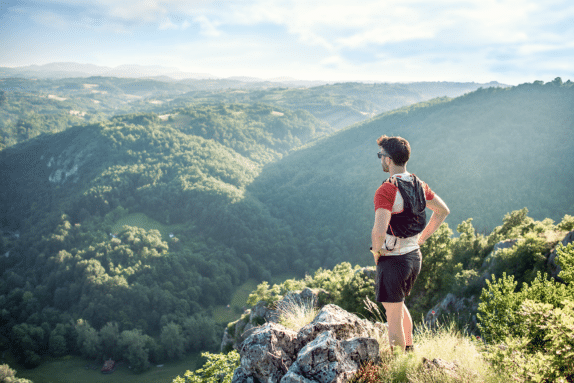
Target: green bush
{"x": 567, "y": 223}
{"x": 551, "y": 359}
{"x": 565, "y": 259}
{"x": 497, "y": 311}
{"x": 531, "y": 331}
{"x": 218, "y": 368}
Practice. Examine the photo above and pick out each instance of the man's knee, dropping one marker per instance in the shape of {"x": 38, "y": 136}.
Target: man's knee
{"x": 393, "y": 309}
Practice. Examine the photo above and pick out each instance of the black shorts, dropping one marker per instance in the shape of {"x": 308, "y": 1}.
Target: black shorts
{"x": 396, "y": 275}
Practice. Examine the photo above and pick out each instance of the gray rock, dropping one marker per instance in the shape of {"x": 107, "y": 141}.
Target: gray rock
{"x": 327, "y": 359}
{"x": 240, "y": 375}
{"x": 343, "y": 324}
{"x": 268, "y": 352}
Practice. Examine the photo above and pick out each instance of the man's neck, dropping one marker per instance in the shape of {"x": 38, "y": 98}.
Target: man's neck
{"x": 393, "y": 170}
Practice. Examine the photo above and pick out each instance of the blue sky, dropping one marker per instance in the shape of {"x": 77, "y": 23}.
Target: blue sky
{"x": 510, "y": 41}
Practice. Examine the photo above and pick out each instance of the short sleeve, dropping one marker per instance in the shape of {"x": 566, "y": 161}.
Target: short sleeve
{"x": 429, "y": 194}
{"x": 385, "y": 196}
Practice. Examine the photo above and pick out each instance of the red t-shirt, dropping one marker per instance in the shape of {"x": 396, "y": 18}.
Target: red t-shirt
{"x": 388, "y": 196}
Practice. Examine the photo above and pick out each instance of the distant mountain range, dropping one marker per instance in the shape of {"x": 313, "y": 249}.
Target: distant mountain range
{"x": 71, "y": 69}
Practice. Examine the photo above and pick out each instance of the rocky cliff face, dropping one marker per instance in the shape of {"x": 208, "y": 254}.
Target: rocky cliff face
{"x": 329, "y": 349}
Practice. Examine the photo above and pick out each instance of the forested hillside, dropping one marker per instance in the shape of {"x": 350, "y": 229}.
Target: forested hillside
{"x": 32, "y": 106}
{"x": 486, "y": 153}
{"x": 68, "y": 258}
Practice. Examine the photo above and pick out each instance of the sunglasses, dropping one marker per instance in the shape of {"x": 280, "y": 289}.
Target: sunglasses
{"x": 381, "y": 155}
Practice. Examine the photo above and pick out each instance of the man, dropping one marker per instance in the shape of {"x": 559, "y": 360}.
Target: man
{"x": 399, "y": 230}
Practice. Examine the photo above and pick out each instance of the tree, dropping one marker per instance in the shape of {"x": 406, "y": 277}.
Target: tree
{"x": 109, "y": 337}
{"x": 172, "y": 340}
{"x": 88, "y": 339}
{"x": 134, "y": 350}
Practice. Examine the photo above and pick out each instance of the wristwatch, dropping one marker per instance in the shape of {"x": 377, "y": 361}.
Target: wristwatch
{"x": 375, "y": 253}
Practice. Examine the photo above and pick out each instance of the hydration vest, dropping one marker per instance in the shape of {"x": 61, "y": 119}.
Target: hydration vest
{"x": 412, "y": 220}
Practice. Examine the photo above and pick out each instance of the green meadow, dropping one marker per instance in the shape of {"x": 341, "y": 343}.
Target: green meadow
{"x": 74, "y": 369}
{"x": 144, "y": 222}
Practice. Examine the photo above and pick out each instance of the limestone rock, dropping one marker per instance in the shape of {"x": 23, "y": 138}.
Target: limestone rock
{"x": 268, "y": 352}
{"x": 344, "y": 325}
{"x": 322, "y": 360}
{"x": 240, "y": 375}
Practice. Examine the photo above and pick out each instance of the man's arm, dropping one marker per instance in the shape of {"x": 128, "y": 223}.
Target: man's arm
{"x": 440, "y": 211}
{"x": 379, "y": 233}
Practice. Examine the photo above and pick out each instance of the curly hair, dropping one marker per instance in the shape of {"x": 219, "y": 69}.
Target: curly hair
{"x": 397, "y": 148}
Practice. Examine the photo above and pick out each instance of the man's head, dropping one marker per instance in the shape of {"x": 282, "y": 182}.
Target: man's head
{"x": 397, "y": 149}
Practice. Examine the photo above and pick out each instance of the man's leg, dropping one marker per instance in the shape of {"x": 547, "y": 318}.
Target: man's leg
{"x": 395, "y": 318}
{"x": 407, "y": 326}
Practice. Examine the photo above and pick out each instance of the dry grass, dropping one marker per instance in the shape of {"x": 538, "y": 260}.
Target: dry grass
{"x": 294, "y": 314}
{"x": 447, "y": 343}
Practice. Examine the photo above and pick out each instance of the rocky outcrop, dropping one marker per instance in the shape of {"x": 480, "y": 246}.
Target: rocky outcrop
{"x": 329, "y": 349}
{"x": 453, "y": 305}
{"x": 553, "y": 267}
{"x": 236, "y": 332}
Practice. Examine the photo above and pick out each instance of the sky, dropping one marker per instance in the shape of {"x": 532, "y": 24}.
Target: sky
{"x": 509, "y": 41}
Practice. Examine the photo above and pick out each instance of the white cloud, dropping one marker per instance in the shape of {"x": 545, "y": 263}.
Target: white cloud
{"x": 168, "y": 24}
{"x": 207, "y": 28}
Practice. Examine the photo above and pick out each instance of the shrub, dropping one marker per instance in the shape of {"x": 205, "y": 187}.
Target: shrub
{"x": 550, "y": 360}
{"x": 497, "y": 311}
{"x": 567, "y": 223}
{"x": 565, "y": 260}
{"x": 218, "y": 368}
